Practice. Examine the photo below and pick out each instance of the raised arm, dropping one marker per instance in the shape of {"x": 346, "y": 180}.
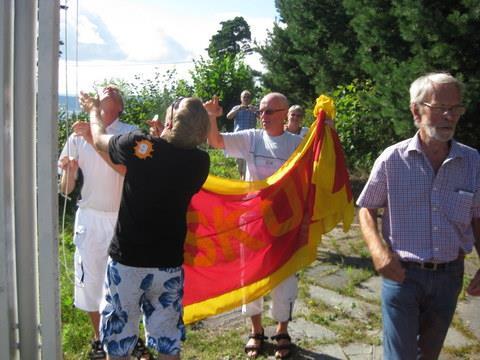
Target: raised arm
{"x": 232, "y": 113}
{"x": 215, "y": 138}
{"x": 384, "y": 261}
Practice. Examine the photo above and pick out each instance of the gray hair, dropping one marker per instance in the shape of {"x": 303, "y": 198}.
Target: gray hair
{"x": 423, "y": 86}
{"x": 296, "y": 108}
{"x": 190, "y": 124}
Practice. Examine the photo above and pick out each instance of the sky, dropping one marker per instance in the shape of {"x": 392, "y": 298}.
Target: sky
{"x": 124, "y": 38}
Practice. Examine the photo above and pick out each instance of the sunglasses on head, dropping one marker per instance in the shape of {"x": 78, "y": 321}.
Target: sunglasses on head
{"x": 175, "y": 105}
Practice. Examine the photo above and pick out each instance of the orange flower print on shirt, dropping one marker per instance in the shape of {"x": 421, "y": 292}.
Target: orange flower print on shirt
{"x": 143, "y": 149}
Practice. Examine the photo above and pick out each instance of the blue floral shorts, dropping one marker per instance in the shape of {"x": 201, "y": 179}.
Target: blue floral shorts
{"x": 156, "y": 293}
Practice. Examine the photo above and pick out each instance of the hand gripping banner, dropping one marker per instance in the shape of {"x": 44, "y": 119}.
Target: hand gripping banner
{"x": 244, "y": 238}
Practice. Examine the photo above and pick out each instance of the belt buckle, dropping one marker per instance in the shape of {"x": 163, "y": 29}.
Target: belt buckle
{"x": 429, "y": 266}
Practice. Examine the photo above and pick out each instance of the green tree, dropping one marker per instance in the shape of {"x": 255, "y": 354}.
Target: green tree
{"x": 402, "y": 39}
{"x": 319, "y": 45}
{"x": 224, "y": 76}
{"x": 362, "y": 135}
{"x": 233, "y": 38}
{"x": 311, "y": 50}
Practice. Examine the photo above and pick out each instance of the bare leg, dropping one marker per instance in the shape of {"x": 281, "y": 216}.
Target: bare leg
{"x": 256, "y": 329}
{"x": 95, "y": 319}
{"x": 282, "y": 328}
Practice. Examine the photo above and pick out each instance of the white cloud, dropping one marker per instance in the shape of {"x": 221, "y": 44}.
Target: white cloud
{"x": 88, "y": 32}
{"x": 137, "y": 33}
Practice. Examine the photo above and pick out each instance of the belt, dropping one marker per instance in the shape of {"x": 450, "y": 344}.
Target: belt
{"x": 431, "y": 265}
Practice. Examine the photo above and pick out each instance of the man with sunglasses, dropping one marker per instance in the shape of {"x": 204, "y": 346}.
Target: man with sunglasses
{"x": 428, "y": 187}
{"x": 97, "y": 207}
{"x": 265, "y": 150}
{"x": 144, "y": 273}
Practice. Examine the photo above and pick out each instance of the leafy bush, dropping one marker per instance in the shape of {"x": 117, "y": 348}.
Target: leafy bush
{"x": 363, "y": 138}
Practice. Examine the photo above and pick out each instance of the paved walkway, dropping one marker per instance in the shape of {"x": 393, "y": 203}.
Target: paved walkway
{"x": 338, "y": 312}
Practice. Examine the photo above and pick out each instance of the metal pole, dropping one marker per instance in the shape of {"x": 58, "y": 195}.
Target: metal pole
{"x": 8, "y": 311}
{"x": 25, "y": 22}
{"x": 48, "y": 41}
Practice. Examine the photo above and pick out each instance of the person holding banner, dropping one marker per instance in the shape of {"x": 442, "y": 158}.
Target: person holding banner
{"x": 428, "y": 187}
{"x": 265, "y": 150}
{"x": 144, "y": 273}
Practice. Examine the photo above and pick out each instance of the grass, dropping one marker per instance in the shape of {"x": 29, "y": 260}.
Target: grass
{"x": 226, "y": 342}
{"x": 76, "y": 327}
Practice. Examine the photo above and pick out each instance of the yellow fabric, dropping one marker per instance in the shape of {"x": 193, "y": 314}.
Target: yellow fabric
{"x": 329, "y": 209}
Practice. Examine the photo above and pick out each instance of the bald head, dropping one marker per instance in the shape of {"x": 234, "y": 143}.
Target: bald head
{"x": 273, "y": 113}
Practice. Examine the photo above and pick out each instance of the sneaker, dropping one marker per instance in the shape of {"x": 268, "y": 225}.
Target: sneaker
{"x": 97, "y": 352}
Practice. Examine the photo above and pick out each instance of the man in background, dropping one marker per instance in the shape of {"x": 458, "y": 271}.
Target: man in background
{"x": 244, "y": 117}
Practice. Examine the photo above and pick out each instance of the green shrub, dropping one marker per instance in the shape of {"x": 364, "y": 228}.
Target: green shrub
{"x": 362, "y": 138}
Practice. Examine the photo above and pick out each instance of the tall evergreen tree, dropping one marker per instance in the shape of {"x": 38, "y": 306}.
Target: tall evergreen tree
{"x": 318, "y": 45}
{"x": 402, "y": 39}
{"x": 311, "y": 49}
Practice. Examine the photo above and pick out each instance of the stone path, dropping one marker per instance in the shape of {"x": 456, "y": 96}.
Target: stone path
{"x": 338, "y": 316}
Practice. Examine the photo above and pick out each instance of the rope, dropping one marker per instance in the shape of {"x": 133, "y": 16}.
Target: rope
{"x": 68, "y": 271}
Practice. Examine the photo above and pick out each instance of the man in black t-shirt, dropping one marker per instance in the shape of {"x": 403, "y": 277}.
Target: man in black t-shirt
{"x": 144, "y": 274}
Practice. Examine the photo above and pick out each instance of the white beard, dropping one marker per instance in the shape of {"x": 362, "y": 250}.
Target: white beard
{"x": 439, "y": 135}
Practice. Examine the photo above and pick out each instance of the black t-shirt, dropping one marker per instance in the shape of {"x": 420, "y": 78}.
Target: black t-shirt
{"x": 160, "y": 182}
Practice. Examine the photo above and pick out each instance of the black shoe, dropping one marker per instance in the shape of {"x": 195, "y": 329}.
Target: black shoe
{"x": 97, "y": 352}
{"x": 141, "y": 351}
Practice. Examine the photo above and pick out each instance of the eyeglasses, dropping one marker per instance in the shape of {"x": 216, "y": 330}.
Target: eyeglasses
{"x": 456, "y": 110}
{"x": 267, "y": 112}
{"x": 175, "y": 105}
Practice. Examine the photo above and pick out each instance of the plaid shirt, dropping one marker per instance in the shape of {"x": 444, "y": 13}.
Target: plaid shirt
{"x": 427, "y": 216}
{"x": 245, "y": 119}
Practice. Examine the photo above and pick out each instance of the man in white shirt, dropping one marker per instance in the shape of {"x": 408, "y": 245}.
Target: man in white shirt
{"x": 98, "y": 206}
{"x": 265, "y": 150}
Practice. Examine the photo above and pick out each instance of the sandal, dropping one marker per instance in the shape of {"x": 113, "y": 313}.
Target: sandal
{"x": 255, "y": 347}
{"x": 285, "y": 346}
{"x": 141, "y": 351}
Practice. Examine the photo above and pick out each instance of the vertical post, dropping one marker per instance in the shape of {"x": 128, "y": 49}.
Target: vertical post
{"x": 8, "y": 311}
{"x": 48, "y": 41}
{"x": 25, "y": 22}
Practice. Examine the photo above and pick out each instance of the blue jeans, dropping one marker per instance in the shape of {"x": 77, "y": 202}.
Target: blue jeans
{"x": 417, "y": 313}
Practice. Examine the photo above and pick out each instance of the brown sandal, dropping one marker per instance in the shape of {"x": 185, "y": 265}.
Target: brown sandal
{"x": 279, "y": 347}
{"x": 255, "y": 347}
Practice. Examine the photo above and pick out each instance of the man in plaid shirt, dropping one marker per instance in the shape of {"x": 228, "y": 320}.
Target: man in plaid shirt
{"x": 428, "y": 187}
{"x": 244, "y": 117}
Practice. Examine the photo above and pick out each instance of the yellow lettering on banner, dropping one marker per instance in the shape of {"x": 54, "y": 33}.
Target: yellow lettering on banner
{"x": 204, "y": 254}
{"x": 289, "y": 192}
{"x": 229, "y": 232}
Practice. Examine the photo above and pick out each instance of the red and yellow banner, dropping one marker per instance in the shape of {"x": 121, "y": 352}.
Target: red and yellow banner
{"x": 244, "y": 238}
